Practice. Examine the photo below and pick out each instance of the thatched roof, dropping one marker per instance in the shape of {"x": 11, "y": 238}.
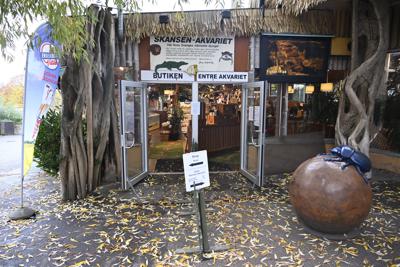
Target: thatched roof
{"x": 243, "y": 22}
{"x": 292, "y": 6}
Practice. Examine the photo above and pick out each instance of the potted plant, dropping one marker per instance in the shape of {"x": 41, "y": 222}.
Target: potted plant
{"x": 175, "y": 123}
{"x": 154, "y": 94}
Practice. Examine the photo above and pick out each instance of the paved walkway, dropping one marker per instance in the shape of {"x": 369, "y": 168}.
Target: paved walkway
{"x": 10, "y": 154}
{"x": 10, "y": 161}
{"x": 114, "y": 228}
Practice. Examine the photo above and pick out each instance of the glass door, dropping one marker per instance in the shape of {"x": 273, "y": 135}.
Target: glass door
{"x": 253, "y": 132}
{"x": 133, "y": 119}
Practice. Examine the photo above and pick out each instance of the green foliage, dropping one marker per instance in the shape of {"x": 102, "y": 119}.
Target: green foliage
{"x": 9, "y": 112}
{"x": 48, "y": 142}
{"x": 175, "y": 122}
{"x": 154, "y": 94}
{"x": 12, "y": 94}
{"x": 68, "y": 19}
{"x": 184, "y": 95}
{"x": 16, "y": 17}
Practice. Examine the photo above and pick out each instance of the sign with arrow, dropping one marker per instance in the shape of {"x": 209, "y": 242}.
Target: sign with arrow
{"x": 195, "y": 166}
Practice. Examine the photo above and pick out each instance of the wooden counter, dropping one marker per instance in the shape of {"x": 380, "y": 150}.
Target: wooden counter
{"x": 215, "y": 138}
{"x": 219, "y": 137}
{"x": 223, "y": 134}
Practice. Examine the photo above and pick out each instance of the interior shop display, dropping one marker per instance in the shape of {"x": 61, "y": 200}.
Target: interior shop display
{"x": 186, "y": 116}
{"x": 219, "y": 120}
{"x": 169, "y": 111}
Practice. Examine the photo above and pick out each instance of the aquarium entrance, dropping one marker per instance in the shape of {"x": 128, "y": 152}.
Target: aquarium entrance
{"x": 160, "y": 122}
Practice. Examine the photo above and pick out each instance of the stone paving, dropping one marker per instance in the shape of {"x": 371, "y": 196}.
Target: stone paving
{"x": 145, "y": 228}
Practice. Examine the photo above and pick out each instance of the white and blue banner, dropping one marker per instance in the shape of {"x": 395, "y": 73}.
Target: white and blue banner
{"x": 41, "y": 81}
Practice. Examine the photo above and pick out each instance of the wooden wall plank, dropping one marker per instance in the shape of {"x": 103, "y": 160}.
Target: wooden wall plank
{"x": 144, "y": 54}
{"x": 242, "y": 54}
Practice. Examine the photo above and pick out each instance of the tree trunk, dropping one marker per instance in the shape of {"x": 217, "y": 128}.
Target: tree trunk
{"x": 354, "y": 125}
{"x": 87, "y": 86}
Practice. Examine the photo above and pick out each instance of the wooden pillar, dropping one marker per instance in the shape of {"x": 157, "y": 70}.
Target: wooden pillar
{"x": 122, "y": 54}
{"x": 117, "y": 58}
{"x": 129, "y": 53}
{"x": 136, "y": 59}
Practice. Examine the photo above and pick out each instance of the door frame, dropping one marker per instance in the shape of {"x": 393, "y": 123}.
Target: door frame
{"x": 257, "y": 179}
{"x": 127, "y": 181}
{"x": 195, "y": 124}
{"x": 195, "y": 99}
{"x": 130, "y": 182}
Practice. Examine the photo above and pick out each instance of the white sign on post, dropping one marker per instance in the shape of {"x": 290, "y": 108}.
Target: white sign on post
{"x": 195, "y": 108}
{"x": 195, "y": 165}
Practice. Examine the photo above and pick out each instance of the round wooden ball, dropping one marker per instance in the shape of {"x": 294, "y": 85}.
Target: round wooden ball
{"x": 329, "y": 199}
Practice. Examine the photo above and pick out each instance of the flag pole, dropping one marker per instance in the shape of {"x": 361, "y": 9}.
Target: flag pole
{"x": 23, "y": 212}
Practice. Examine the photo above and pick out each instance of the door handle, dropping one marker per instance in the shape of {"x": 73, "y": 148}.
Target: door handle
{"x": 252, "y": 138}
{"x": 133, "y": 139}
{"x": 253, "y": 143}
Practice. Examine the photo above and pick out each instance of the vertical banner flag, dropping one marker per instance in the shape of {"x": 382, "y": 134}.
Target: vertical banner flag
{"x": 41, "y": 81}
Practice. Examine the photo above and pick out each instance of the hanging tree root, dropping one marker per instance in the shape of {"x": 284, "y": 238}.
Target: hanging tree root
{"x": 354, "y": 124}
{"x": 88, "y": 103}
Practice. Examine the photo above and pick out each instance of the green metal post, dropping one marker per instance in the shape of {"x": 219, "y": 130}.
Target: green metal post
{"x": 203, "y": 223}
{"x": 196, "y": 207}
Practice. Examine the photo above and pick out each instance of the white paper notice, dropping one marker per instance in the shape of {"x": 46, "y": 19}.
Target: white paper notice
{"x": 257, "y": 116}
{"x": 251, "y": 113}
{"x": 254, "y": 115}
{"x": 195, "y": 108}
{"x": 196, "y": 170}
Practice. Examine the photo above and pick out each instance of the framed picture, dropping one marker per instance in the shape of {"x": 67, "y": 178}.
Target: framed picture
{"x": 393, "y": 61}
{"x": 273, "y": 90}
{"x": 293, "y": 58}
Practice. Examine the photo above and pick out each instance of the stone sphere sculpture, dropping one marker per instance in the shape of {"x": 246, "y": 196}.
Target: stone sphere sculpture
{"x": 329, "y": 199}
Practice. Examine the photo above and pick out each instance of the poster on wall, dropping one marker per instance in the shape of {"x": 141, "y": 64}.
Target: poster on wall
{"x": 182, "y": 53}
{"x": 294, "y": 59}
{"x": 393, "y": 61}
{"x": 41, "y": 80}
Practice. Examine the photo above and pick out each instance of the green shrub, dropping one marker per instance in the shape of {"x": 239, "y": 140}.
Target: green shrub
{"x": 48, "y": 142}
{"x": 175, "y": 123}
